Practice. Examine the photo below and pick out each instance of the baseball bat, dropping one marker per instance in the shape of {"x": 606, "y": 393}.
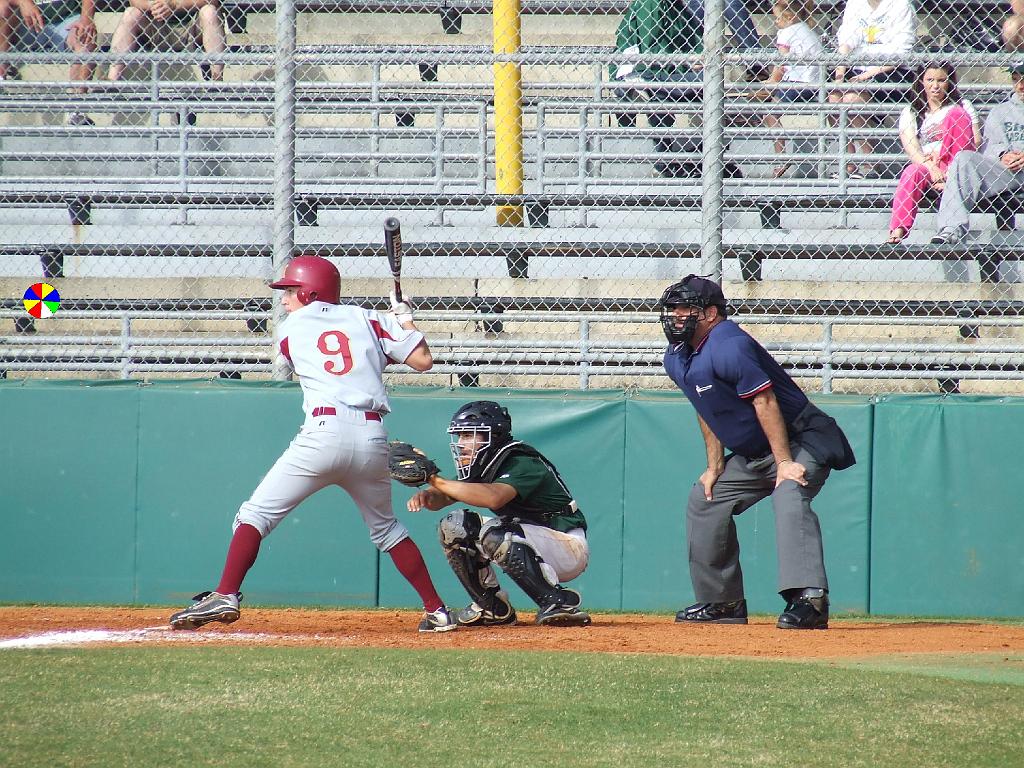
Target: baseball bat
{"x": 393, "y": 246}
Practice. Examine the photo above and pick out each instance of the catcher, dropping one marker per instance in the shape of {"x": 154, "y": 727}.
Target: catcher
{"x": 537, "y": 536}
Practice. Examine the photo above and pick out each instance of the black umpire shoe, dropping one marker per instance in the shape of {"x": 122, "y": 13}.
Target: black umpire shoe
{"x": 715, "y": 613}
{"x": 807, "y": 609}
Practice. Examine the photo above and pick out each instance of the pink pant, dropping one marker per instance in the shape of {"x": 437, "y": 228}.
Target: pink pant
{"x": 957, "y": 134}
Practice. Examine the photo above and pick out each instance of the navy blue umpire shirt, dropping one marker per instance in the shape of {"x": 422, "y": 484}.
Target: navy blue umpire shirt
{"x": 721, "y": 376}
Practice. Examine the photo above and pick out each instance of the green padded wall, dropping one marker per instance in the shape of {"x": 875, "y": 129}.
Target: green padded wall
{"x": 664, "y": 458}
{"x": 948, "y": 507}
{"x": 581, "y": 432}
{"x": 121, "y": 492}
{"x": 203, "y": 448}
{"x": 68, "y": 484}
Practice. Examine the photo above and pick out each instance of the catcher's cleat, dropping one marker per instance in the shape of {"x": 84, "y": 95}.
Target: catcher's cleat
{"x": 438, "y": 621}
{"x": 714, "y": 613}
{"x": 209, "y": 606}
{"x": 473, "y": 615}
{"x": 807, "y": 610}
{"x": 562, "y": 614}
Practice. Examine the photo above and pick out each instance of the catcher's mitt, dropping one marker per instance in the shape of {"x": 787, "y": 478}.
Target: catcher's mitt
{"x": 409, "y": 465}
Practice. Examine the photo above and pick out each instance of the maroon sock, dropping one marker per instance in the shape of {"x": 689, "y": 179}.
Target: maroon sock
{"x": 245, "y": 545}
{"x": 409, "y": 563}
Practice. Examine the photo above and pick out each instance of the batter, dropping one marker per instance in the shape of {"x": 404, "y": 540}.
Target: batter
{"x": 339, "y": 353}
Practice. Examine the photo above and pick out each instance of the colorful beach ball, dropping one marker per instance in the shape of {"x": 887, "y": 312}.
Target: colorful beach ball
{"x": 42, "y": 300}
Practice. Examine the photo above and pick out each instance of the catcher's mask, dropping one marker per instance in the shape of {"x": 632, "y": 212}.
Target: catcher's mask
{"x": 316, "y": 278}
{"x": 478, "y": 430}
{"x": 691, "y": 291}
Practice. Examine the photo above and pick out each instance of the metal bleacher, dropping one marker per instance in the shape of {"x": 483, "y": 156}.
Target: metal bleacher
{"x": 178, "y": 171}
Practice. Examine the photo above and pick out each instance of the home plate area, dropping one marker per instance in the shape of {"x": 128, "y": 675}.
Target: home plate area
{"x": 27, "y": 627}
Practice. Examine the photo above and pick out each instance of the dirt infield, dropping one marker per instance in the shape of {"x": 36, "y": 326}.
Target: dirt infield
{"x": 619, "y": 633}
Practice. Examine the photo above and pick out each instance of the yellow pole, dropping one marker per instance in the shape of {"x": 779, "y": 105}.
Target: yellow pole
{"x": 508, "y": 112}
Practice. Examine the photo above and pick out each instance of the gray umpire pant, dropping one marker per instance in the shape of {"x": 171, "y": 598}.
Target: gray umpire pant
{"x": 714, "y": 549}
{"x": 970, "y": 178}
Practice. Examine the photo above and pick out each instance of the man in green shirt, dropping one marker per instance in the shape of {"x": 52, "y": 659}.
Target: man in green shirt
{"x": 537, "y": 535}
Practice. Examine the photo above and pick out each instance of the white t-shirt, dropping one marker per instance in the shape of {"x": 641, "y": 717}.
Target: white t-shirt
{"x": 339, "y": 353}
{"x": 891, "y": 28}
{"x": 929, "y": 132}
{"x": 799, "y": 40}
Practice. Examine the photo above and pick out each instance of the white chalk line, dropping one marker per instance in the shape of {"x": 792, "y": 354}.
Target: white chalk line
{"x": 161, "y": 633}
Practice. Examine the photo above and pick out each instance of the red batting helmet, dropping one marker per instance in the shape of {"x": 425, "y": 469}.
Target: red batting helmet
{"x": 317, "y": 280}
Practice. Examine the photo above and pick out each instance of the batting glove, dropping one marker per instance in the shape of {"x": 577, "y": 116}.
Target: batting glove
{"x": 402, "y": 309}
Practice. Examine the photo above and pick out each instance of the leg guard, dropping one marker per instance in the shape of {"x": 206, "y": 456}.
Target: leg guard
{"x": 460, "y": 532}
{"x": 526, "y": 569}
{"x": 557, "y": 605}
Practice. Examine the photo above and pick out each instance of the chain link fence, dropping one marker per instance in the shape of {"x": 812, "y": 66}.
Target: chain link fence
{"x": 554, "y": 165}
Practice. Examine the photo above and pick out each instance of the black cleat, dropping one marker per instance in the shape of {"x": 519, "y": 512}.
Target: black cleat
{"x": 565, "y": 612}
{"x": 808, "y": 610}
{"x": 714, "y": 613}
{"x": 562, "y": 616}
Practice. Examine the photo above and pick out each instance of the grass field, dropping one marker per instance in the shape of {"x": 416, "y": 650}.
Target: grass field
{"x": 256, "y": 706}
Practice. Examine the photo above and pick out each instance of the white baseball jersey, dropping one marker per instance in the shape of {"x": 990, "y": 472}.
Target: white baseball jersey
{"x": 339, "y": 353}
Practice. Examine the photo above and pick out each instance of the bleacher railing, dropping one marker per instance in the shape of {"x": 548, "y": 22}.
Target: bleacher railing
{"x": 632, "y": 162}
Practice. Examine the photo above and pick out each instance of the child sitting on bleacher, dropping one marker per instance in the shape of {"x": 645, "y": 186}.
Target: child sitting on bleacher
{"x": 792, "y": 83}
{"x": 936, "y": 125}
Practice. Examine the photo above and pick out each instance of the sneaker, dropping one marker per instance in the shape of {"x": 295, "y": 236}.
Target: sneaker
{"x": 807, "y": 610}
{"x": 853, "y": 175}
{"x": 79, "y": 119}
{"x": 950, "y": 236}
{"x": 473, "y": 615}
{"x": 438, "y": 621}
{"x": 755, "y": 73}
{"x": 208, "y": 606}
{"x": 558, "y": 615}
{"x": 734, "y": 612}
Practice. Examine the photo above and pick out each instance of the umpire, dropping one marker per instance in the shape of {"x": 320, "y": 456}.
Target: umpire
{"x": 779, "y": 444}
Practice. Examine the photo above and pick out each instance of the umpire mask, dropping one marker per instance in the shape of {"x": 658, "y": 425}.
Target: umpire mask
{"x": 675, "y": 333}
{"x": 691, "y": 291}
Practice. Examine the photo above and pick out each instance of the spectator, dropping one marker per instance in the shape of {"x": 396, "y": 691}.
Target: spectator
{"x": 1013, "y": 27}
{"x": 873, "y": 28}
{"x": 792, "y": 83}
{"x": 744, "y": 33}
{"x": 660, "y": 26}
{"x": 936, "y": 125}
{"x": 177, "y": 25}
{"x": 50, "y": 25}
{"x": 998, "y": 168}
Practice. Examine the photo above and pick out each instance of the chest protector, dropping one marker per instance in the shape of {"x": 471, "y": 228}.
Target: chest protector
{"x": 521, "y": 508}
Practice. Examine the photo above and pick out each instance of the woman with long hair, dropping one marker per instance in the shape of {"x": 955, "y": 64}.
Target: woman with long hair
{"x": 936, "y": 125}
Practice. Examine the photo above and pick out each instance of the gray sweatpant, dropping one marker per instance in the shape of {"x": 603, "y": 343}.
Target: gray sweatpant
{"x": 713, "y": 547}
{"x": 970, "y": 178}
